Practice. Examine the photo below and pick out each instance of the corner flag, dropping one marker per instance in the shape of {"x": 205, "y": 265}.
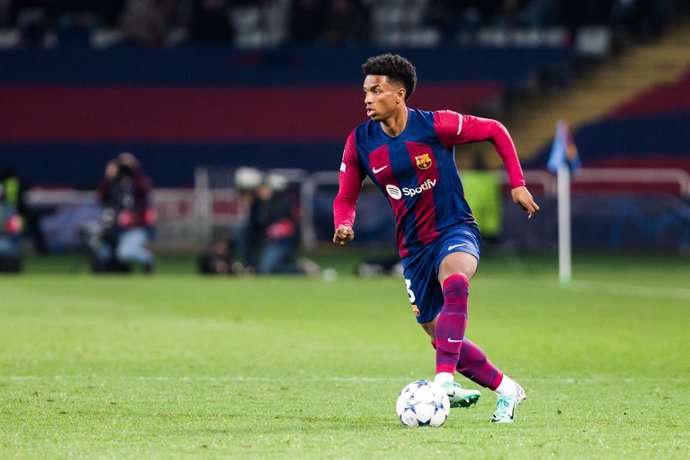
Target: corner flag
{"x": 562, "y": 161}
{"x": 563, "y": 149}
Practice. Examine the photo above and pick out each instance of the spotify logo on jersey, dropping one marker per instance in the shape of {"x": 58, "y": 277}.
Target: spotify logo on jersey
{"x": 394, "y": 192}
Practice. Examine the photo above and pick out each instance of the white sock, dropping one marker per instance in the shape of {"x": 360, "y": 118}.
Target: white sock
{"x": 506, "y": 387}
{"x": 443, "y": 377}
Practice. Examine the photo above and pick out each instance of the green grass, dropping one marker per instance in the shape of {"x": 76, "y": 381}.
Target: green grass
{"x": 177, "y": 365}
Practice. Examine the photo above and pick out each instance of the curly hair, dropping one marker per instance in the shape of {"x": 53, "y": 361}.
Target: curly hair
{"x": 395, "y": 67}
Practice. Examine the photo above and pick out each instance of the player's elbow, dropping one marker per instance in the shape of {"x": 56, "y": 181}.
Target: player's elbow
{"x": 499, "y": 129}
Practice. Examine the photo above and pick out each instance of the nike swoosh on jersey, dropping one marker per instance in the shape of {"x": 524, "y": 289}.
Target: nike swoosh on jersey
{"x": 454, "y": 340}
{"x": 453, "y": 246}
{"x": 378, "y": 170}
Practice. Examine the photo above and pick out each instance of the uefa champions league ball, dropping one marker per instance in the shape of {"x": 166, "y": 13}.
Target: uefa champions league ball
{"x": 423, "y": 403}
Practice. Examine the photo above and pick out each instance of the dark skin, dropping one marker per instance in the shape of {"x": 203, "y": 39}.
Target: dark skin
{"x": 385, "y": 102}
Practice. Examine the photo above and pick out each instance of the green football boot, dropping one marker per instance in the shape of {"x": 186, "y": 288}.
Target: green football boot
{"x": 460, "y": 397}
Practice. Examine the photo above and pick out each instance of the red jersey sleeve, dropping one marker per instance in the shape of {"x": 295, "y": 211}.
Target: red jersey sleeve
{"x": 453, "y": 128}
{"x": 350, "y": 183}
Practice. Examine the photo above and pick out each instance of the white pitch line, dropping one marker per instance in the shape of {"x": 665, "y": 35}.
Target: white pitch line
{"x": 632, "y": 290}
{"x": 335, "y": 379}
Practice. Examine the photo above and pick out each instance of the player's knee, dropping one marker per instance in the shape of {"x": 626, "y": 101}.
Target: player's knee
{"x": 456, "y": 285}
{"x": 455, "y": 293}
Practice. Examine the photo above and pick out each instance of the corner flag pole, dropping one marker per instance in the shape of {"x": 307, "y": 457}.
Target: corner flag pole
{"x": 563, "y": 159}
{"x": 564, "y": 239}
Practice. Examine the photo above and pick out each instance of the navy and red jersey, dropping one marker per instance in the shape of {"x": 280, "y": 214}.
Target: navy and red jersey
{"x": 416, "y": 171}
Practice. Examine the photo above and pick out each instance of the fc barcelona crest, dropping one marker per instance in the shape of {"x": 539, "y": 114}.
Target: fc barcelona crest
{"x": 423, "y": 161}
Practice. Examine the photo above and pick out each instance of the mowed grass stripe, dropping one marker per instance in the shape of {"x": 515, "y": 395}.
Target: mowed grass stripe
{"x": 179, "y": 366}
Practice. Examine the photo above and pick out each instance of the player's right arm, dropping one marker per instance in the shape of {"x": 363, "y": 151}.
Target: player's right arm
{"x": 350, "y": 183}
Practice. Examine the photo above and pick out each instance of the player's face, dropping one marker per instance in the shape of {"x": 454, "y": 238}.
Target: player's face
{"x": 381, "y": 98}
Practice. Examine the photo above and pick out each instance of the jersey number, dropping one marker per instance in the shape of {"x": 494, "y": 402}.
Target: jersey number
{"x": 408, "y": 284}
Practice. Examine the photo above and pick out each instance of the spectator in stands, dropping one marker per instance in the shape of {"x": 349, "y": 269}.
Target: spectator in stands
{"x": 48, "y": 8}
{"x": 4, "y": 14}
{"x": 10, "y": 236}
{"x": 211, "y": 22}
{"x": 347, "y": 22}
{"x": 108, "y": 11}
{"x": 306, "y": 24}
{"x": 586, "y": 12}
{"x": 146, "y": 21}
{"x": 33, "y": 19}
{"x": 128, "y": 217}
{"x": 642, "y": 18}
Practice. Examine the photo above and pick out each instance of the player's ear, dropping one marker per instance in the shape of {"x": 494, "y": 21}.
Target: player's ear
{"x": 400, "y": 93}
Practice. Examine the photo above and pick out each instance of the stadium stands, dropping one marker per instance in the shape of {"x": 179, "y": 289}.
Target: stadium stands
{"x": 192, "y": 106}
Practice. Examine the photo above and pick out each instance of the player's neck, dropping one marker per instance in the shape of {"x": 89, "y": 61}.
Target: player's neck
{"x": 396, "y": 123}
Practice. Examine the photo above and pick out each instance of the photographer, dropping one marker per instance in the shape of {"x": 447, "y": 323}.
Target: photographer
{"x": 128, "y": 217}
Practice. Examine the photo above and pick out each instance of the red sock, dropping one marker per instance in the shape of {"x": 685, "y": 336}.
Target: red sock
{"x": 474, "y": 365}
{"x": 451, "y": 323}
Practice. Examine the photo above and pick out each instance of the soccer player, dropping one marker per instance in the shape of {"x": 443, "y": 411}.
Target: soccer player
{"x": 409, "y": 155}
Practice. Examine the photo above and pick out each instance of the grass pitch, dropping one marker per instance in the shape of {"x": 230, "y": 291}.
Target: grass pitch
{"x": 177, "y": 365}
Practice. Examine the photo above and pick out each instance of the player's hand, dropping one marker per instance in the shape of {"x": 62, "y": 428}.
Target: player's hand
{"x": 343, "y": 235}
{"x": 523, "y": 198}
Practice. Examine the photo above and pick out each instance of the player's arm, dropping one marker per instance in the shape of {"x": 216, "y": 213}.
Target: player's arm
{"x": 350, "y": 183}
{"x": 454, "y": 128}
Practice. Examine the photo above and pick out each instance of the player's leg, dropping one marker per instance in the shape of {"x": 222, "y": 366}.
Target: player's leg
{"x": 454, "y": 274}
{"x": 449, "y": 326}
{"x": 456, "y": 261}
{"x": 474, "y": 365}
{"x": 427, "y": 302}
{"x": 455, "y": 271}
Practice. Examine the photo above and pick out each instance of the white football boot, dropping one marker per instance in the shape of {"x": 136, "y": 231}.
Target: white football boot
{"x": 505, "y": 406}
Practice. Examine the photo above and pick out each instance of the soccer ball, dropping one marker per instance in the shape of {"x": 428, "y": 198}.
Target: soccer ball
{"x": 423, "y": 403}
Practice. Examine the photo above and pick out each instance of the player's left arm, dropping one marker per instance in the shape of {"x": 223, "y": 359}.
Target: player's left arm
{"x": 454, "y": 128}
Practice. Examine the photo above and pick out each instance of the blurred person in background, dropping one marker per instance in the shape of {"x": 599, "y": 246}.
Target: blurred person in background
{"x": 483, "y": 189}
{"x": 247, "y": 183}
{"x": 210, "y": 22}
{"x": 219, "y": 259}
{"x": 269, "y": 237}
{"x": 347, "y": 22}
{"x": 128, "y": 217}
{"x": 15, "y": 194}
{"x": 10, "y": 236}
{"x": 277, "y": 224}
{"x": 409, "y": 154}
{"x": 146, "y": 22}
{"x": 306, "y": 24}
{"x": 33, "y": 19}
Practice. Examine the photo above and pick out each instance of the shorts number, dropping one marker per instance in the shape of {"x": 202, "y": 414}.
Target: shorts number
{"x": 408, "y": 284}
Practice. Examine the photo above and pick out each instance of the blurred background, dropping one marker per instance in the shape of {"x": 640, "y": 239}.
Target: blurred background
{"x": 234, "y": 115}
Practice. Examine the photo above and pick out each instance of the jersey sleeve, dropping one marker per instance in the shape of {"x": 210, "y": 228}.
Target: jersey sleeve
{"x": 453, "y": 128}
{"x": 350, "y": 183}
